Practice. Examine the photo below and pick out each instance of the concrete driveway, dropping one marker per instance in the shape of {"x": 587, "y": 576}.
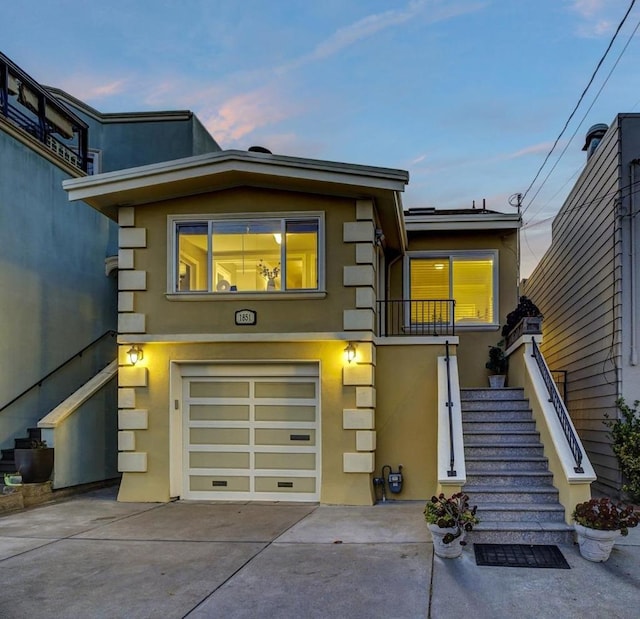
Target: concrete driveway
{"x": 92, "y": 557}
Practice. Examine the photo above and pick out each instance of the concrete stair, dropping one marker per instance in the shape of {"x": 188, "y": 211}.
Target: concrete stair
{"x": 507, "y": 474}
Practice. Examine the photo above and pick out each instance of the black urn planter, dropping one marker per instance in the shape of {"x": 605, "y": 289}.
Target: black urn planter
{"x": 35, "y": 465}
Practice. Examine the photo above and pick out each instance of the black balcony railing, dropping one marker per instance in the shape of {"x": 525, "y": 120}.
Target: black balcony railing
{"x": 27, "y": 105}
{"x": 429, "y": 317}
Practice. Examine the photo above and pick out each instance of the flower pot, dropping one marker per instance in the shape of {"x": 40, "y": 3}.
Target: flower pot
{"x": 595, "y": 545}
{"x": 35, "y": 465}
{"x": 446, "y": 551}
{"x": 496, "y": 381}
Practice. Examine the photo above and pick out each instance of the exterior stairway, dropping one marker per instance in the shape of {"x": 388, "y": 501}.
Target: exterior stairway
{"x": 507, "y": 475}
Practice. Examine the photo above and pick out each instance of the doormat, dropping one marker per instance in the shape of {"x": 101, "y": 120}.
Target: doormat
{"x": 520, "y": 555}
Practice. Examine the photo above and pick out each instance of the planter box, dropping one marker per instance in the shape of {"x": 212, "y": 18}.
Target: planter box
{"x": 35, "y": 465}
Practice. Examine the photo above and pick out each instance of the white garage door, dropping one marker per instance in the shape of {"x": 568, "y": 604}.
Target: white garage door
{"x": 252, "y": 433}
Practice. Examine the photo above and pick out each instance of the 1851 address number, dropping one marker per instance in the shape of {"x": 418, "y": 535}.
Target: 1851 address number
{"x": 246, "y": 317}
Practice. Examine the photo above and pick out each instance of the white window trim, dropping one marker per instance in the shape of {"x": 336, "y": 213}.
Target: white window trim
{"x": 172, "y": 252}
{"x": 459, "y": 253}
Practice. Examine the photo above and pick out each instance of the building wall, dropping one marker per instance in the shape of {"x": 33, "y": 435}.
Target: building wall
{"x": 577, "y": 286}
{"x": 474, "y": 344}
{"x": 56, "y": 297}
{"x": 407, "y": 416}
{"x": 275, "y": 315}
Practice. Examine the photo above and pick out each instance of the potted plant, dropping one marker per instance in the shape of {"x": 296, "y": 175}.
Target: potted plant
{"x": 598, "y": 523}
{"x": 497, "y": 364}
{"x": 35, "y": 463}
{"x": 448, "y": 520}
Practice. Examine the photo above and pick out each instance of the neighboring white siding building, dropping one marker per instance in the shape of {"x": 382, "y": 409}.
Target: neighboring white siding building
{"x": 586, "y": 287}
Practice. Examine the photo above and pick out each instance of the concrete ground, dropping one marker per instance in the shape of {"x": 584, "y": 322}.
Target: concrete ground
{"x": 92, "y": 557}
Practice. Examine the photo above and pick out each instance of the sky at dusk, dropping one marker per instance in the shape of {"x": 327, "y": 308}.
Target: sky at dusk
{"x": 467, "y": 95}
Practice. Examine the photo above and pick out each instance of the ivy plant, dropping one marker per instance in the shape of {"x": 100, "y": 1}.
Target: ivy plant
{"x": 625, "y": 432}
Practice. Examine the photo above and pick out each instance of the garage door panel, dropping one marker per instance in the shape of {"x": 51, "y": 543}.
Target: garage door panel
{"x": 219, "y": 460}
{"x": 276, "y": 412}
{"x": 219, "y": 389}
{"x": 285, "y": 390}
{"x": 219, "y": 412}
{"x": 285, "y": 436}
{"x": 285, "y": 484}
{"x": 219, "y": 483}
{"x": 305, "y": 461}
{"x": 251, "y": 432}
{"x": 219, "y": 436}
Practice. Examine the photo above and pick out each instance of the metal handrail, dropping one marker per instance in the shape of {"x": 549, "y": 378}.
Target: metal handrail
{"x": 110, "y": 332}
{"x": 416, "y": 317}
{"x": 561, "y": 410}
{"x": 452, "y": 459}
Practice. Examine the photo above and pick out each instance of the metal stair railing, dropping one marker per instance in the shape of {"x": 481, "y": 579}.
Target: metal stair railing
{"x": 110, "y": 332}
{"x": 452, "y": 458}
{"x": 560, "y": 408}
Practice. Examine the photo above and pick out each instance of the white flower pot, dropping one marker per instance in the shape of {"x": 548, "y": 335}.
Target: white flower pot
{"x": 595, "y": 545}
{"x": 447, "y": 551}
{"x": 496, "y": 381}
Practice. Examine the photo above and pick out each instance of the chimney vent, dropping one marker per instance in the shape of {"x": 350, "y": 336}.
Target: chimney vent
{"x": 593, "y": 137}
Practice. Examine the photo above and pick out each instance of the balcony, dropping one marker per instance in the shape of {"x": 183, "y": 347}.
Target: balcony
{"x": 426, "y": 318}
{"x": 29, "y": 107}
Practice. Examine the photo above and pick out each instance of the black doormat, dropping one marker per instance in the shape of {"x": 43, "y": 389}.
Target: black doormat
{"x": 520, "y": 555}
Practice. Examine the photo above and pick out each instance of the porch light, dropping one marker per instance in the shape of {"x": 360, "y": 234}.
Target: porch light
{"x": 350, "y": 352}
{"x": 135, "y": 354}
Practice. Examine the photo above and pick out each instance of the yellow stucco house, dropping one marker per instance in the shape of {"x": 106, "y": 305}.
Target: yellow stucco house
{"x": 281, "y": 322}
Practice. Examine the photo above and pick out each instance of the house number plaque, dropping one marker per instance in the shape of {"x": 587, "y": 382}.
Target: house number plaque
{"x": 246, "y": 317}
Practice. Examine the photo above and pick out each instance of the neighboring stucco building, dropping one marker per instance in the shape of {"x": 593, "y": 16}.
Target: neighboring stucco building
{"x": 58, "y": 272}
{"x": 586, "y": 285}
{"x": 288, "y": 316}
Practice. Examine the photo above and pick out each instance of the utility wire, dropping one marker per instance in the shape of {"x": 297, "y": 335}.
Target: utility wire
{"x": 584, "y": 92}
{"x": 573, "y": 135}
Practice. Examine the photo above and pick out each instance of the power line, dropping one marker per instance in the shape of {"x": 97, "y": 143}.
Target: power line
{"x": 584, "y": 92}
{"x": 573, "y": 135}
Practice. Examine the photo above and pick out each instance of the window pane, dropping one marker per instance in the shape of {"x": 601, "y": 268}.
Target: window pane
{"x": 246, "y": 255}
{"x": 301, "y": 242}
{"x": 429, "y": 282}
{"x": 473, "y": 289}
{"x": 192, "y": 256}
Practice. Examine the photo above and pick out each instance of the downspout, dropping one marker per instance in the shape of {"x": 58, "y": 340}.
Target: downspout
{"x": 632, "y": 267}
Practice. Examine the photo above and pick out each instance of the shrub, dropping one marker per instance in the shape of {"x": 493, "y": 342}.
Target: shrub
{"x": 625, "y": 433}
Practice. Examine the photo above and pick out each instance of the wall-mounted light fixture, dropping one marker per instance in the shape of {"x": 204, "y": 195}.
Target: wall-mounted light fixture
{"x": 135, "y": 354}
{"x": 350, "y": 352}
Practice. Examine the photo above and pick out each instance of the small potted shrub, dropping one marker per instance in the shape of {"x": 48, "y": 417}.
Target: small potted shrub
{"x": 34, "y": 463}
{"x": 598, "y": 523}
{"x": 497, "y": 364}
{"x": 448, "y": 520}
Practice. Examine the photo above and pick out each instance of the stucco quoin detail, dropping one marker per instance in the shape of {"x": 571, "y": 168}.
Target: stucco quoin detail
{"x": 366, "y": 440}
{"x": 132, "y": 462}
{"x": 358, "y": 232}
{"x": 129, "y": 376}
{"x": 358, "y": 320}
{"x": 358, "y": 419}
{"x": 126, "y": 398}
{"x": 361, "y": 275}
{"x": 126, "y": 216}
{"x": 132, "y": 280}
{"x": 365, "y": 254}
{"x": 365, "y": 397}
{"x": 131, "y": 323}
{"x": 358, "y": 462}
{"x": 134, "y": 419}
{"x": 125, "y": 302}
{"x": 132, "y": 237}
{"x": 364, "y": 210}
{"x": 126, "y": 440}
{"x": 125, "y": 259}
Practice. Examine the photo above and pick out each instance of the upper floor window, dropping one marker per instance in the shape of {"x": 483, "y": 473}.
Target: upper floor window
{"x": 247, "y": 254}
{"x": 468, "y": 277}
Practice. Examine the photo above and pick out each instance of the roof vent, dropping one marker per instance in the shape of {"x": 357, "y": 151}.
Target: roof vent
{"x": 259, "y": 149}
{"x": 594, "y": 135}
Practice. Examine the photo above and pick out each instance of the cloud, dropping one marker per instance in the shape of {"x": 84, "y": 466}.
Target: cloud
{"x": 242, "y": 114}
{"x": 534, "y": 149}
{"x": 92, "y": 88}
{"x": 594, "y": 17}
{"x": 372, "y": 24}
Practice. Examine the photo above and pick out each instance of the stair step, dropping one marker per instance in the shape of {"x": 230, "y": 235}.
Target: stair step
{"x": 494, "y": 493}
{"x": 493, "y": 405}
{"x": 498, "y": 426}
{"x": 502, "y": 437}
{"x": 521, "y": 512}
{"x": 519, "y": 479}
{"x": 506, "y": 393}
{"x": 22, "y": 443}
{"x": 478, "y": 464}
{"x": 494, "y": 415}
{"x": 498, "y": 532}
{"x": 505, "y": 449}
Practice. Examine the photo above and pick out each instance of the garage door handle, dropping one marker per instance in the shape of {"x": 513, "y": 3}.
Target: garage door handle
{"x": 218, "y": 483}
{"x": 300, "y": 437}
{"x": 285, "y": 484}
